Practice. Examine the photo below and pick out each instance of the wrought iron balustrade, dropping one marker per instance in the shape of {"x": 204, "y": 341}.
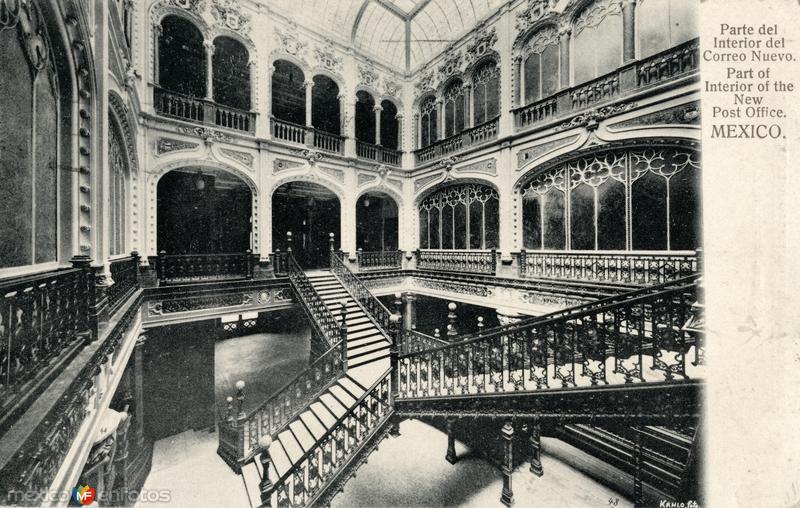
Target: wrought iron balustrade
{"x": 202, "y": 111}
{"x": 239, "y": 434}
{"x": 474, "y": 136}
{"x": 378, "y": 153}
{"x": 374, "y": 307}
{"x": 307, "y": 480}
{"x": 412, "y": 341}
{"x": 42, "y": 319}
{"x": 464, "y": 261}
{"x": 175, "y": 268}
{"x": 321, "y": 318}
{"x": 125, "y": 274}
{"x": 618, "y": 267}
{"x": 597, "y": 346}
{"x": 630, "y": 78}
{"x": 379, "y": 260}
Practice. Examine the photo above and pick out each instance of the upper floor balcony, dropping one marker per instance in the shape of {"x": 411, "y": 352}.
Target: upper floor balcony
{"x": 475, "y": 136}
{"x": 202, "y": 111}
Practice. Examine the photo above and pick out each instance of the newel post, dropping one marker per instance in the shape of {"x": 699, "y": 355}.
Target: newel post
{"x": 507, "y": 434}
{"x": 289, "y": 242}
{"x": 343, "y": 331}
{"x": 452, "y": 332}
{"x": 241, "y": 417}
{"x": 394, "y": 354}
{"x": 265, "y": 485}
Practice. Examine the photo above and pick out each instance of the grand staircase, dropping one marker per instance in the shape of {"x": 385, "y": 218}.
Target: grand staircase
{"x": 629, "y": 360}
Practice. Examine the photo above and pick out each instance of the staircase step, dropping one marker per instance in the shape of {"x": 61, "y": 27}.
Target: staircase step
{"x": 323, "y": 414}
{"x": 290, "y": 444}
{"x": 358, "y": 319}
{"x": 355, "y": 353}
{"x": 278, "y": 455}
{"x": 352, "y": 386}
{"x": 370, "y": 332}
{"x": 341, "y": 394}
{"x": 381, "y": 354}
{"x": 326, "y": 284}
{"x": 366, "y": 374}
{"x": 313, "y": 424}
{"x": 302, "y": 434}
{"x": 334, "y": 405}
{"x": 364, "y": 325}
{"x": 356, "y": 345}
{"x": 251, "y": 475}
{"x": 329, "y": 293}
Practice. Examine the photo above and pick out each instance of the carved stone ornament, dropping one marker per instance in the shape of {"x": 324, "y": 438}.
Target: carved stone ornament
{"x": 290, "y": 43}
{"x": 451, "y": 64}
{"x": 525, "y": 157}
{"x": 209, "y": 135}
{"x": 365, "y": 178}
{"x": 228, "y": 14}
{"x": 484, "y": 41}
{"x": 312, "y": 156}
{"x": 336, "y": 174}
{"x": 243, "y": 158}
{"x": 686, "y": 114}
{"x": 31, "y": 25}
{"x": 391, "y": 88}
{"x": 327, "y": 58}
{"x": 422, "y": 182}
{"x": 591, "y": 119}
{"x": 537, "y": 9}
{"x": 367, "y": 75}
{"x": 195, "y": 6}
{"x": 488, "y": 167}
{"x": 426, "y": 83}
{"x": 167, "y": 145}
{"x": 279, "y": 165}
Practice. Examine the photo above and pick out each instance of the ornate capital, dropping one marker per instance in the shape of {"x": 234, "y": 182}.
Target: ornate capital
{"x": 209, "y": 46}
{"x": 377, "y": 107}
{"x": 157, "y": 29}
{"x": 308, "y": 83}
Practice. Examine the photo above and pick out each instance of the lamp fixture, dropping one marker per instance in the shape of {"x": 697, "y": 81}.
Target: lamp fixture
{"x": 199, "y": 182}
{"x": 366, "y": 202}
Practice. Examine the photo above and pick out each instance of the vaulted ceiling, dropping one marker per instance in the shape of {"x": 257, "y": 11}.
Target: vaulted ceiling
{"x": 401, "y": 33}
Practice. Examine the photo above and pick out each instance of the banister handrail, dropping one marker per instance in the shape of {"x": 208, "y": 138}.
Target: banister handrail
{"x": 571, "y": 312}
{"x": 374, "y": 307}
{"x": 321, "y": 317}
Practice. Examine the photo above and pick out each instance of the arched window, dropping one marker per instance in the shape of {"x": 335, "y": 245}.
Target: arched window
{"x": 31, "y": 128}
{"x": 288, "y": 93}
{"x": 462, "y": 216}
{"x": 389, "y": 125}
{"x": 454, "y": 109}
{"x": 541, "y": 60}
{"x": 119, "y": 175}
{"x": 181, "y": 57}
{"x": 597, "y": 40}
{"x": 663, "y": 24}
{"x": 584, "y": 204}
{"x": 365, "y": 117}
{"x": 428, "y": 122}
{"x": 231, "y": 67}
{"x": 486, "y": 92}
{"x": 325, "y": 114}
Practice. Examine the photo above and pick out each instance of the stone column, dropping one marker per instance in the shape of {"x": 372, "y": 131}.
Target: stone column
{"x": 410, "y": 311}
{"x": 156, "y": 62}
{"x": 451, "y": 442}
{"x": 628, "y": 30}
{"x": 565, "y": 35}
{"x": 309, "y": 85}
{"x": 138, "y": 374}
{"x": 470, "y": 105}
{"x": 377, "y": 109}
{"x": 209, "y": 47}
{"x": 349, "y": 122}
{"x": 400, "y": 126}
{"x": 440, "y": 119}
{"x": 519, "y": 72}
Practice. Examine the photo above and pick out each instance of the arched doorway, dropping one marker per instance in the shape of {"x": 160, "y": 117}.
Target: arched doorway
{"x": 311, "y": 213}
{"x": 203, "y": 211}
{"x": 376, "y": 222}
{"x": 181, "y": 57}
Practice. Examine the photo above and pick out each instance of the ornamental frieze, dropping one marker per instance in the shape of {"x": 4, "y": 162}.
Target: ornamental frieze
{"x": 336, "y": 174}
{"x": 228, "y": 14}
{"x": 365, "y": 178}
{"x": 290, "y": 43}
{"x": 685, "y": 114}
{"x": 487, "y": 167}
{"x": 536, "y": 10}
{"x": 590, "y": 119}
{"x": 422, "y": 182}
{"x": 327, "y": 58}
{"x": 193, "y": 6}
{"x": 482, "y": 43}
{"x": 367, "y": 75}
{"x": 279, "y": 165}
{"x": 453, "y": 287}
{"x": 525, "y": 157}
{"x": 243, "y": 158}
{"x": 451, "y": 64}
{"x": 167, "y": 145}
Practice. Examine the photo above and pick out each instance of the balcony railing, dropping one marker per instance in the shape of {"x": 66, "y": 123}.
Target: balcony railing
{"x": 307, "y": 136}
{"x": 202, "y": 111}
{"x": 378, "y": 153}
{"x": 662, "y": 67}
{"x": 473, "y": 136}
{"x": 176, "y": 268}
{"x": 125, "y": 274}
{"x": 41, "y": 320}
{"x": 463, "y": 261}
{"x": 617, "y": 267}
{"x": 380, "y": 260}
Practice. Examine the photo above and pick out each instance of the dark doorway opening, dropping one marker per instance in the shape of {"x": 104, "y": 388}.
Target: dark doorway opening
{"x": 311, "y": 213}
{"x": 203, "y": 212}
{"x": 376, "y": 222}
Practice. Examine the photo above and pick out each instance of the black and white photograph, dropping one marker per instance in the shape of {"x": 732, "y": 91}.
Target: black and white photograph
{"x": 353, "y": 253}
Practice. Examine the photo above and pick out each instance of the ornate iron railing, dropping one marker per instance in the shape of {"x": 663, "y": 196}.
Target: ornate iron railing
{"x": 571, "y": 349}
{"x": 42, "y": 317}
{"x": 318, "y": 313}
{"x": 310, "y": 475}
{"x": 203, "y": 267}
{"x": 473, "y": 136}
{"x": 374, "y": 308}
{"x": 619, "y": 267}
{"x": 202, "y": 111}
{"x": 239, "y": 434}
{"x": 125, "y": 274}
{"x": 380, "y": 260}
{"x": 464, "y": 261}
{"x": 673, "y": 63}
{"x": 378, "y": 153}
{"x": 413, "y": 341}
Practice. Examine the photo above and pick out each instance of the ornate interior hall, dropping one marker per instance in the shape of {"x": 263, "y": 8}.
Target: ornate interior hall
{"x": 349, "y": 253}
